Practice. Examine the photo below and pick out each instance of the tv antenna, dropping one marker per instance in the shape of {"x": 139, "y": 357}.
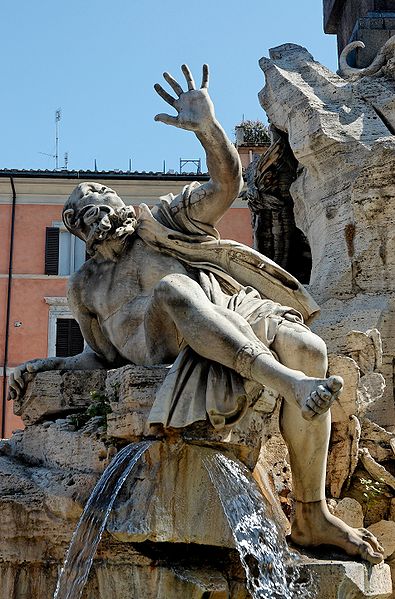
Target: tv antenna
{"x": 197, "y": 163}
{"x": 58, "y": 116}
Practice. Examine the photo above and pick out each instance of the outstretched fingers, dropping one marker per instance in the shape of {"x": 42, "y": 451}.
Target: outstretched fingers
{"x": 188, "y": 76}
{"x": 205, "y": 77}
{"x": 173, "y": 83}
{"x": 163, "y": 94}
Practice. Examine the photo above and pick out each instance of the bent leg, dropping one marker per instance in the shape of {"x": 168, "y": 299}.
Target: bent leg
{"x": 180, "y": 313}
{"x": 307, "y": 443}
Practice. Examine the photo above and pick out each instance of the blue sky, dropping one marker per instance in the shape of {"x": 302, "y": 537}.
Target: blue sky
{"x": 98, "y": 61}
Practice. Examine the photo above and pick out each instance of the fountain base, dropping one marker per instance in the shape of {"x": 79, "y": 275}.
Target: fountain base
{"x": 167, "y": 535}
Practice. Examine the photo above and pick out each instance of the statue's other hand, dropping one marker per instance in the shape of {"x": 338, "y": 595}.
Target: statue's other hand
{"x": 24, "y": 373}
{"x": 194, "y": 107}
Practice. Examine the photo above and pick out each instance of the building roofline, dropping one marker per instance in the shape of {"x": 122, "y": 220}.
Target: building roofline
{"x": 87, "y": 174}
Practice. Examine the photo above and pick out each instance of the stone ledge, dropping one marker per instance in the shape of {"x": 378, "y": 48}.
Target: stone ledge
{"x": 131, "y": 391}
{"x": 338, "y": 579}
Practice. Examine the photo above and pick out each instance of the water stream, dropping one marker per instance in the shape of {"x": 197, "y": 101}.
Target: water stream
{"x": 87, "y": 535}
{"x": 271, "y": 569}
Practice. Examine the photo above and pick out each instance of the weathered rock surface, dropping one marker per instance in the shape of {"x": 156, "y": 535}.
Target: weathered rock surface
{"x": 347, "y": 368}
{"x": 167, "y": 536}
{"x": 339, "y": 133}
{"x": 350, "y": 511}
{"x": 338, "y": 579}
{"x": 377, "y": 471}
{"x": 366, "y": 349}
{"x": 44, "y": 401}
{"x": 167, "y": 500}
{"x": 343, "y": 454}
{"x": 48, "y": 471}
{"x": 377, "y": 440}
{"x": 384, "y": 531}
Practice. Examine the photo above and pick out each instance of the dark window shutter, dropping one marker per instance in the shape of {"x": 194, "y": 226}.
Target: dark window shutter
{"x": 69, "y": 339}
{"x": 51, "y": 250}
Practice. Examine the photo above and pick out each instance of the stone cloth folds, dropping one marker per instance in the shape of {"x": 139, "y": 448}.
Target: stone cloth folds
{"x": 232, "y": 276}
{"x": 196, "y": 388}
{"x": 236, "y": 265}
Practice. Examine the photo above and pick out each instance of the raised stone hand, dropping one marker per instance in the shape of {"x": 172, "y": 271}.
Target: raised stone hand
{"x": 194, "y": 107}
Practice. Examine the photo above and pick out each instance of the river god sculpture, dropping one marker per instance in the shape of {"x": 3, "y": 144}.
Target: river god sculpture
{"x": 162, "y": 288}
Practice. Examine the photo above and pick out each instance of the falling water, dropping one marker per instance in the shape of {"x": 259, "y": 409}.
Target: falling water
{"x": 90, "y": 528}
{"x": 270, "y": 567}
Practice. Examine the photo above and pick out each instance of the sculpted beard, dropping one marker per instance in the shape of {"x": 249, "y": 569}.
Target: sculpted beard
{"x": 116, "y": 225}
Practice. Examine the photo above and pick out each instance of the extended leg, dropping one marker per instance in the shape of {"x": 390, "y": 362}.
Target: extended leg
{"x": 307, "y": 443}
{"x": 180, "y": 312}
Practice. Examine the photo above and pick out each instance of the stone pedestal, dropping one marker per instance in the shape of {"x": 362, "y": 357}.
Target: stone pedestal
{"x": 167, "y": 536}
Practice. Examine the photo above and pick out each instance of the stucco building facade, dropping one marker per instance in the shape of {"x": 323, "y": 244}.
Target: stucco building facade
{"x": 37, "y": 255}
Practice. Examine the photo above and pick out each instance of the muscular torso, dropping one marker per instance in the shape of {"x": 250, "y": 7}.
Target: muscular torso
{"x": 118, "y": 293}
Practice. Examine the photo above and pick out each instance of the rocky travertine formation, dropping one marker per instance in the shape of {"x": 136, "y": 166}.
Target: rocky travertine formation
{"x": 76, "y": 422}
{"x": 342, "y": 135}
{"x": 162, "y": 541}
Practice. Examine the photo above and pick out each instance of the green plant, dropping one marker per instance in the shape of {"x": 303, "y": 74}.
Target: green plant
{"x": 372, "y": 489}
{"x": 100, "y": 406}
{"x": 254, "y": 132}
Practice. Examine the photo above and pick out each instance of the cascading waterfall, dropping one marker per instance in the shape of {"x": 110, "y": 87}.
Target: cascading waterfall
{"x": 91, "y": 525}
{"x": 270, "y": 567}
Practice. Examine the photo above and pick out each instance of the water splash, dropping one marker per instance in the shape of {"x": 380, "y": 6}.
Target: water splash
{"x": 91, "y": 525}
{"x": 269, "y": 565}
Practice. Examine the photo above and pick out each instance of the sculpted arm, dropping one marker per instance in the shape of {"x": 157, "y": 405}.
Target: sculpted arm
{"x": 99, "y": 353}
{"x": 195, "y": 109}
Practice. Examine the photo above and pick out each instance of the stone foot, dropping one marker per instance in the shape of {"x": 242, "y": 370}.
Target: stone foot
{"x": 315, "y": 396}
{"x": 314, "y": 525}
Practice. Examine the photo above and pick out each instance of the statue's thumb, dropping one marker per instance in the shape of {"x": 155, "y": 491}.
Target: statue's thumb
{"x": 167, "y": 119}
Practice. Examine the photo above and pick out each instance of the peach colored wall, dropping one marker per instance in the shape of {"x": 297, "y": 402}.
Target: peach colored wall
{"x": 31, "y": 339}
{"x": 5, "y": 220}
{"x": 12, "y": 422}
{"x": 29, "y": 307}
{"x": 236, "y": 225}
{"x": 31, "y": 221}
{"x": 29, "y": 241}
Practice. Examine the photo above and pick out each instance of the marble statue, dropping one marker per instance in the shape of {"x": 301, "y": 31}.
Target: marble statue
{"x": 162, "y": 288}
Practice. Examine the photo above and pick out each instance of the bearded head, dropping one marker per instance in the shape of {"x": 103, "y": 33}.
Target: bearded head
{"x": 95, "y": 213}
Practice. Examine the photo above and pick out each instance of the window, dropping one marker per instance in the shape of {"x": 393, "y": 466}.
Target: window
{"x": 64, "y": 334}
{"x": 64, "y": 253}
{"x": 69, "y": 339}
